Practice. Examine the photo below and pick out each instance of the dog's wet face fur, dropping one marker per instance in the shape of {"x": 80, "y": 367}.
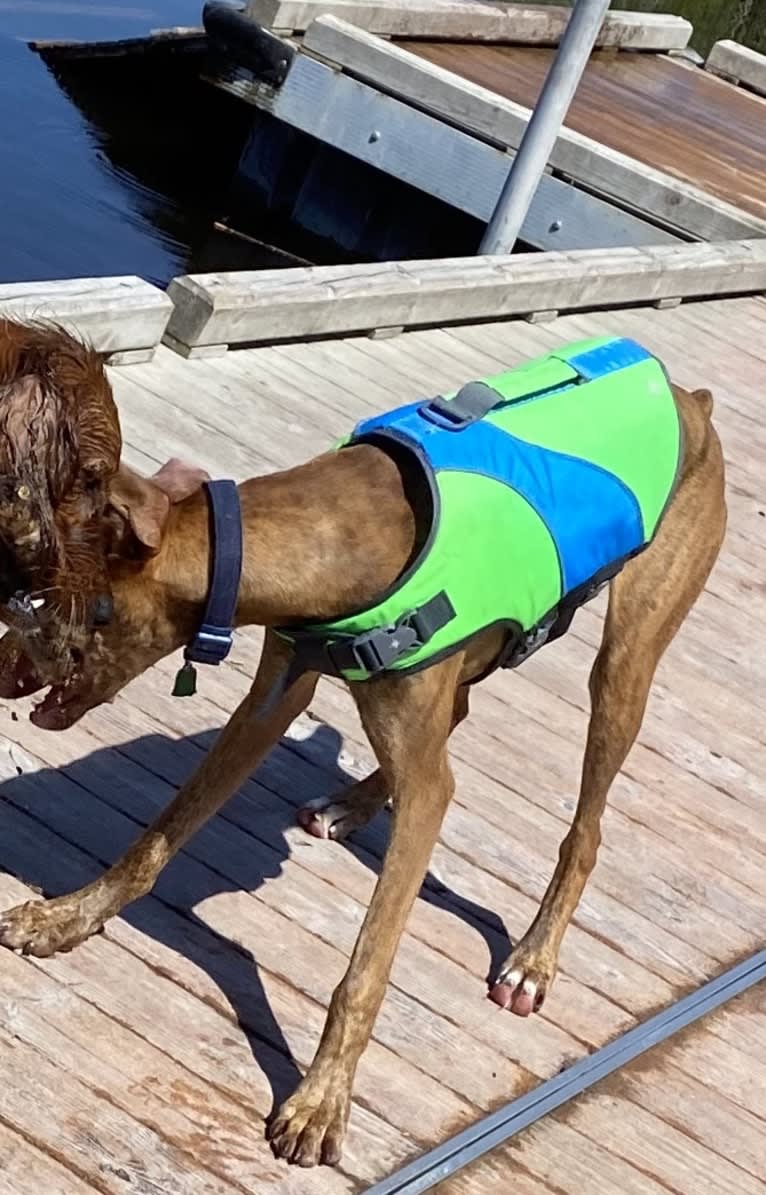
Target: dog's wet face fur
{"x": 60, "y": 447}
{"x": 146, "y": 623}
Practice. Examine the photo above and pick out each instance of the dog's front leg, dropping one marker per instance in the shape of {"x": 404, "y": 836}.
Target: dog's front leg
{"x": 44, "y": 927}
{"x": 407, "y": 721}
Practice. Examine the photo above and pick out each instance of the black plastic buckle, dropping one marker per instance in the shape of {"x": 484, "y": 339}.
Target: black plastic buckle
{"x": 445, "y": 414}
{"x": 374, "y": 651}
{"x": 471, "y": 403}
{"x": 211, "y": 645}
{"x": 521, "y": 649}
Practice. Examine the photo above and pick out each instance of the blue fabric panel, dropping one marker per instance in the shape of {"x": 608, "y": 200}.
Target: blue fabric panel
{"x": 617, "y": 354}
{"x": 594, "y": 519}
{"x": 386, "y": 419}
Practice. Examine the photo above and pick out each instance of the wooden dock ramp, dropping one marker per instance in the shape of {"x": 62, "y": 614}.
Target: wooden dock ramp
{"x": 437, "y": 95}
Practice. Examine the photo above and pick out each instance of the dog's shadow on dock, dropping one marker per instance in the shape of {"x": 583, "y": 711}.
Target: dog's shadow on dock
{"x": 59, "y": 827}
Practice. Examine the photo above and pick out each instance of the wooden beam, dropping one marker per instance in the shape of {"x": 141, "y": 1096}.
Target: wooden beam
{"x": 273, "y": 305}
{"x": 502, "y": 122}
{"x": 442, "y": 161}
{"x": 116, "y": 315}
{"x": 739, "y": 64}
{"x": 473, "y": 20}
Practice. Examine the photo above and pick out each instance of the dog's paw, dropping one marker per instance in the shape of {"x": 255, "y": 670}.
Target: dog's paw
{"x": 45, "y": 927}
{"x": 309, "y": 1128}
{"x": 524, "y": 981}
{"x": 324, "y": 818}
{"x": 336, "y": 818}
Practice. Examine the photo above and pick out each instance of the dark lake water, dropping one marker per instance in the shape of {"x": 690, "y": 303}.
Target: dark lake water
{"x": 109, "y": 170}
{"x": 106, "y": 171}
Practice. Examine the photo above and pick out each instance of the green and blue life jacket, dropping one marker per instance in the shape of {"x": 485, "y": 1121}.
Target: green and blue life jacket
{"x": 544, "y": 480}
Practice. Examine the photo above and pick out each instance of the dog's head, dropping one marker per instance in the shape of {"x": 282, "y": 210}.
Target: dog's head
{"x": 59, "y": 449}
{"x": 150, "y": 618}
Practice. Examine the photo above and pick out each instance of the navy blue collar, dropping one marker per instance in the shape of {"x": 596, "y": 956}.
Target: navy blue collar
{"x": 213, "y": 641}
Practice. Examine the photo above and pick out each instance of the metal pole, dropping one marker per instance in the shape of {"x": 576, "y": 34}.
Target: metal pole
{"x": 540, "y": 134}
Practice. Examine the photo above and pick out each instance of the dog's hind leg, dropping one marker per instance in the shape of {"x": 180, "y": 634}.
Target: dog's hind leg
{"x": 408, "y": 722}
{"x": 44, "y": 927}
{"x": 648, "y": 602}
{"x": 338, "y": 816}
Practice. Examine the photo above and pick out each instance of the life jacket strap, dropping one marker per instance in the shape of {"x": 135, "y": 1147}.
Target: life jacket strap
{"x": 371, "y": 652}
{"x": 471, "y": 403}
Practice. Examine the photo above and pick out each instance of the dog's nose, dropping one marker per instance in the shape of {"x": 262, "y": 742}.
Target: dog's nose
{"x": 103, "y": 609}
{"x": 11, "y": 579}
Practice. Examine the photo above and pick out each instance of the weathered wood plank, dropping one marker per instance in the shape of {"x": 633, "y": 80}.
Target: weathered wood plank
{"x": 53, "y": 1018}
{"x": 647, "y": 1142}
{"x": 66, "y": 1118}
{"x": 474, "y": 20}
{"x": 167, "y": 980}
{"x": 738, "y": 63}
{"x": 502, "y": 122}
{"x": 443, "y": 161}
{"x": 28, "y": 1170}
{"x": 268, "y": 305}
{"x": 696, "y": 1108}
{"x": 116, "y": 315}
{"x": 673, "y": 1128}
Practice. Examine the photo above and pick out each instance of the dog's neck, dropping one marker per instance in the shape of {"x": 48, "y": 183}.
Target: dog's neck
{"x": 323, "y": 538}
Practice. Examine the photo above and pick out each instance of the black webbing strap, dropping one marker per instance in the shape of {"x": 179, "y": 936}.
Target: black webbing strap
{"x": 373, "y": 651}
{"x": 213, "y": 641}
{"x": 471, "y": 403}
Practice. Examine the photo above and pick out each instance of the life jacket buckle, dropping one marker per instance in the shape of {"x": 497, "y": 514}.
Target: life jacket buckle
{"x": 377, "y": 650}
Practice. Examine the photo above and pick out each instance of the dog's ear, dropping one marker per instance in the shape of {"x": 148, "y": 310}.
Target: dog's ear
{"x": 178, "y": 479}
{"x": 142, "y": 504}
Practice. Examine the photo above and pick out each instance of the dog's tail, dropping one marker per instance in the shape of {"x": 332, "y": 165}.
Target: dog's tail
{"x": 705, "y": 399}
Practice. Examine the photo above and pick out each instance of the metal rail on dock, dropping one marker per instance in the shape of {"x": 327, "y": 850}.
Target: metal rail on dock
{"x": 496, "y": 1129}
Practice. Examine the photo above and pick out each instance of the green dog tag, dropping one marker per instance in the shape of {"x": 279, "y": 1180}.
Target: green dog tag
{"x": 186, "y": 681}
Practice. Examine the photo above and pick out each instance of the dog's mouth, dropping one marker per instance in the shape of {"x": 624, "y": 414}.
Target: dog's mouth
{"x": 61, "y": 706}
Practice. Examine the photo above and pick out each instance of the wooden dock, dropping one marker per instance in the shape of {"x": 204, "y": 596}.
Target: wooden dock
{"x": 662, "y": 111}
{"x": 147, "y": 1059}
{"x": 390, "y": 124}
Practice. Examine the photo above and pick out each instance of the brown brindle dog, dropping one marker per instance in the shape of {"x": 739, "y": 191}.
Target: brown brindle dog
{"x": 60, "y": 448}
{"x": 326, "y": 537}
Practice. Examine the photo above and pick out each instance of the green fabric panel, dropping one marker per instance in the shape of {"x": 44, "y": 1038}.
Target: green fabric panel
{"x": 543, "y": 373}
{"x": 627, "y": 423}
{"x": 479, "y": 583}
